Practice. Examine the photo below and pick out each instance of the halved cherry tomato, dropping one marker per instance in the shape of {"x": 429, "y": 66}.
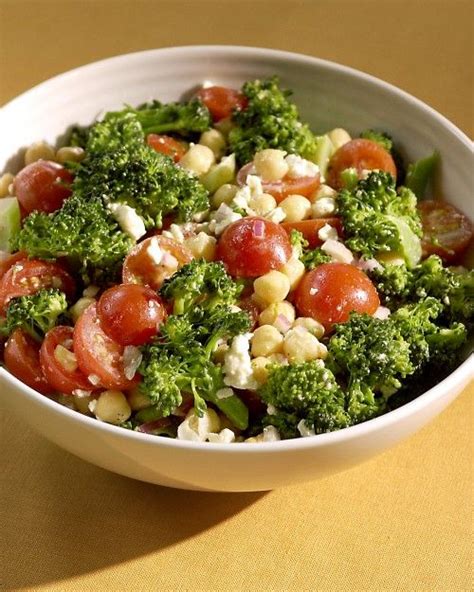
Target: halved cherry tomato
{"x": 42, "y": 185}
{"x": 447, "y": 232}
{"x": 130, "y": 314}
{"x": 97, "y": 354}
{"x": 360, "y": 154}
{"x": 21, "y": 357}
{"x": 27, "y": 277}
{"x": 166, "y": 145}
{"x": 9, "y": 259}
{"x": 61, "y": 379}
{"x": 221, "y": 101}
{"x": 331, "y": 291}
{"x": 141, "y": 266}
{"x": 310, "y": 229}
{"x": 251, "y": 307}
{"x": 253, "y": 246}
{"x": 305, "y": 186}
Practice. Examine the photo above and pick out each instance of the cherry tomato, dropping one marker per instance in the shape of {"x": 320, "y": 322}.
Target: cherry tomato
{"x": 97, "y": 354}
{"x": 141, "y": 266}
{"x": 27, "y": 277}
{"x": 360, "y": 154}
{"x": 310, "y": 229}
{"x": 166, "y": 145}
{"x": 305, "y": 186}
{"x": 42, "y": 185}
{"x": 21, "y": 357}
{"x": 446, "y": 231}
{"x": 9, "y": 259}
{"x": 222, "y": 101}
{"x": 251, "y": 307}
{"x": 60, "y": 378}
{"x": 130, "y": 314}
{"x": 253, "y": 246}
{"x": 331, "y": 291}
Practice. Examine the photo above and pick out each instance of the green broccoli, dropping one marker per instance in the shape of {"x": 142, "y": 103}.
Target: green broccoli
{"x": 311, "y": 258}
{"x": 35, "y": 314}
{"x": 377, "y": 218}
{"x": 305, "y": 392}
{"x": 132, "y": 125}
{"x": 83, "y": 231}
{"x": 269, "y": 120}
{"x": 200, "y": 283}
{"x": 143, "y": 179}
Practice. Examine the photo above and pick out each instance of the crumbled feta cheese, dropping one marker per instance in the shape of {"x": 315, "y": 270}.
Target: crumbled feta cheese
{"x": 337, "y": 251}
{"x": 223, "y": 217}
{"x": 81, "y": 393}
{"x": 174, "y": 232}
{"x": 92, "y": 405}
{"x": 271, "y": 409}
{"x": 225, "y": 436}
{"x": 154, "y": 252}
{"x": 324, "y": 206}
{"x": 132, "y": 358}
{"x": 254, "y": 183}
{"x": 224, "y": 393}
{"x": 277, "y": 215}
{"x": 327, "y": 232}
{"x": 93, "y": 379}
{"x": 207, "y": 84}
{"x": 195, "y": 428}
{"x": 304, "y": 430}
{"x": 128, "y": 220}
{"x": 382, "y": 313}
{"x": 271, "y": 434}
{"x": 299, "y": 167}
{"x": 238, "y": 371}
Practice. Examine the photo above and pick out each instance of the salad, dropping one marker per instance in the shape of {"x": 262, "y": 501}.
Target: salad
{"x": 215, "y": 271}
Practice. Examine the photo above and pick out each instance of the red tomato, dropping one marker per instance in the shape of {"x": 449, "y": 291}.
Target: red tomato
{"x": 287, "y": 186}
{"x": 331, "y": 291}
{"x": 8, "y": 259}
{"x": 251, "y": 307}
{"x": 97, "y": 354}
{"x": 42, "y": 185}
{"x": 360, "y": 154}
{"x": 310, "y": 229}
{"x": 21, "y": 357}
{"x": 222, "y": 101}
{"x": 166, "y": 145}
{"x": 27, "y": 277}
{"x": 61, "y": 379}
{"x": 446, "y": 231}
{"x": 253, "y": 246}
{"x": 130, "y": 314}
{"x": 140, "y": 267}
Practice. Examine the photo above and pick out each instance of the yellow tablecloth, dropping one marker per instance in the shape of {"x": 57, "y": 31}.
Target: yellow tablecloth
{"x": 400, "y": 522}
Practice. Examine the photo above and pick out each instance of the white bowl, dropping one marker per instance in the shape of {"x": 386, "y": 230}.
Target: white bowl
{"x": 329, "y": 95}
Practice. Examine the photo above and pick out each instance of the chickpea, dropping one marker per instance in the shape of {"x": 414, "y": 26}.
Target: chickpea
{"x": 270, "y": 164}
{"x": 112, "y": 407}
{"x": 296, "y": 208}
{"x": 274, "y": 286}
{"x": 198, "y": 159}
{"x": 266, "y": 340}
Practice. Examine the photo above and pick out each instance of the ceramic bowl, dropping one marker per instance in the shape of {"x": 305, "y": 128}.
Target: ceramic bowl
{"x": 329, "y": 95}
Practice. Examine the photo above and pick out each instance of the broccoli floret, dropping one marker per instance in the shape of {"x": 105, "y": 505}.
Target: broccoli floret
{"x": 269, "y": 120}
{"x": 381, "y": 138}
{"x": 35, "y": 314}
{"x": 202, "y": 283}
{"x": 83, "y": 231}
{"x": 131, "y": 126}
{"x": 305, "y": 391}
{"x": 377, "y": 218}
{"x": 143, "y": 179}
{"x": 311, "y": 258}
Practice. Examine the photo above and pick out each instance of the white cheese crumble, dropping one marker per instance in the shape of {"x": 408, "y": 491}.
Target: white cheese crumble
{"x": 225, "y": 436}
{"x": 271, "y": 434}
{"x": 174, "y": 232}
{"x": 324, "y": 206}
{"x": 154, "y": 252}
{"x": 93, "y": 379}
{"x": 300, "y": 167}
{"x": 223, "y": 217}
{"x": 277, "y": 215}
{"x": 238, "y": 371}
{"x": 224, "y": 393}
{"x": 304, "y": 430}
{"x": 337, "y": 251}
{"x": 382, "y": 313}
{"x": 327, "y": 232}
{"x": 132, "y": 358}
{"x": 128, "y": 220}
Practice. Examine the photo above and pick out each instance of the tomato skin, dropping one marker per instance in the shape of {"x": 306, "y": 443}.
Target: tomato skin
{"x": 27, "y": 277}
{"x": 58, "y": 377}
{"x": 331, "y": 291}
{"x": 360, "y": 154}
{"x": 221, "y": 101}
{"x": 42, "y": 185}
{"x": 97, "y": 354}
{"x": 140, "y": 268}
{"x": 310, "y": 229}
{"x": 166, "y": 145}
{"x": 130, "y": 314}
{"x": 305, "y": 186}
{"x": 21, "y": 357}
{"x": 246, "y": 252}
{"x": 250, "y": 306}
{"x": 447, "y": 232}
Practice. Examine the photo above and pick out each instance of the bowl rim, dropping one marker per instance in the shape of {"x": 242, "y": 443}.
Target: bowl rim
{"x": 453, "y": 381}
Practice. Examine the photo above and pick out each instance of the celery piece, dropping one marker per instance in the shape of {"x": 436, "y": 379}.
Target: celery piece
{"x": 9, "y": 221}
{"x": 420, "y": 173}
{"x": 221, "y": 173}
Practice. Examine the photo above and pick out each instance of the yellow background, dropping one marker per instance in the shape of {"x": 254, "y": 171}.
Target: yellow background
{"x": 400, "y": 522}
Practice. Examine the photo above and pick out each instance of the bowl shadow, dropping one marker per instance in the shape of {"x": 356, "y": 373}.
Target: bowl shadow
{"x": 67, "y": 517}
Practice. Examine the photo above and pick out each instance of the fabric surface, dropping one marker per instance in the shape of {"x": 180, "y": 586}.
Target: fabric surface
{"x": 402, "y": 521}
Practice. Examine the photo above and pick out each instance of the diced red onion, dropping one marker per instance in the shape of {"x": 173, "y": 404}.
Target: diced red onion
{"x": 156, "y": 424}
{"x": 168, "y": 260}
{"x": 368, "y": 265}
{"x": 259, "y": 228}
{"x": 282, "y": 323}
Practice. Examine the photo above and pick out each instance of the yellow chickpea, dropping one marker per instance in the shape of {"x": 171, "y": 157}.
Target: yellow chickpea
{"x": 274, "y": 286}
{"x": 266, "y": 340}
